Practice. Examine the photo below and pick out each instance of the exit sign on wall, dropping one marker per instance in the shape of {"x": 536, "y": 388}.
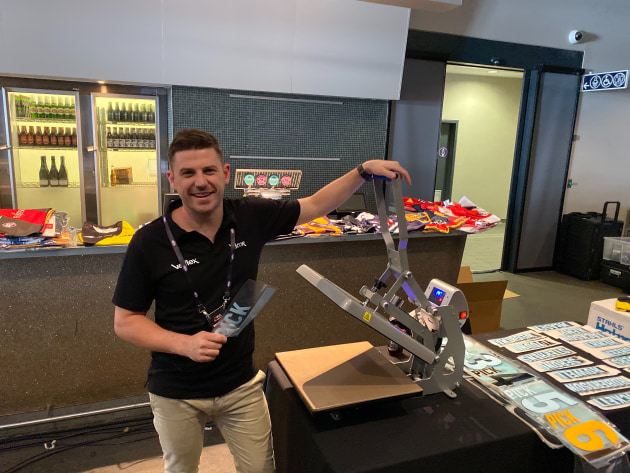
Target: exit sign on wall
{"x": 605, "y": 81}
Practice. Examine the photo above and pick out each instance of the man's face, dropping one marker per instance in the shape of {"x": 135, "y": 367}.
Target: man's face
{"x": 199, "y": 178}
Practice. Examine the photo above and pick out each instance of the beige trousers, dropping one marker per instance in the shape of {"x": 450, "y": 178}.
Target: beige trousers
{"x": 241, "y": 416}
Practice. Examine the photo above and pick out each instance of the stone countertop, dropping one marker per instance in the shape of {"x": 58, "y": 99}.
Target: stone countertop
{"x": 44, "y": 252}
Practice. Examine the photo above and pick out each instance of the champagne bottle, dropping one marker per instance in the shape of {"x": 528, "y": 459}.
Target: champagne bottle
{"x": 44, "y": 178}
{"x": 63, "y": 174}
{"x": 54, "y": 173}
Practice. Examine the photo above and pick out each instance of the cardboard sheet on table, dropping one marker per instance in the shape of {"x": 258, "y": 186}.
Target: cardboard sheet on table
{"x": 337, "y": 376}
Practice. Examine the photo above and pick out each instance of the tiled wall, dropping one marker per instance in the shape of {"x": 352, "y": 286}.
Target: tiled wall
{"x": 339, "y": 133}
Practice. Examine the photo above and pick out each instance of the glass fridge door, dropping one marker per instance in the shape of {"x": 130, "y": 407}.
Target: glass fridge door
{"x": 45, "y": 165}
{"x": 126, "y": 158}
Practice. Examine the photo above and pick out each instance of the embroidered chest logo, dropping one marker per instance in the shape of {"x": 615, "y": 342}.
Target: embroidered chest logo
{"x": 240, "y": 244}
{"x": 189, "y": 262}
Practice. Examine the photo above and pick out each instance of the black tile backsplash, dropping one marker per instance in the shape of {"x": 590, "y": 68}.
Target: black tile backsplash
{"x": 259, "y": 126}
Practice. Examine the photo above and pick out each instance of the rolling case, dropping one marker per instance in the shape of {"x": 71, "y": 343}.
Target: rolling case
{"x": 580, "y": 242}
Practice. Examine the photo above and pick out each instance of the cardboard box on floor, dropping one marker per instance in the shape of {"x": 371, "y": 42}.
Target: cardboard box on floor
{"x": 485, "y": 300}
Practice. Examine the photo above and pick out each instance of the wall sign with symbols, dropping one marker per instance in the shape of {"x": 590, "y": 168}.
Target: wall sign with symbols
{"x": 605, "y": 81}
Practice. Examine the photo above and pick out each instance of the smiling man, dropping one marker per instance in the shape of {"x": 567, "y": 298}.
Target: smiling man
{"x": 192, "y": 262}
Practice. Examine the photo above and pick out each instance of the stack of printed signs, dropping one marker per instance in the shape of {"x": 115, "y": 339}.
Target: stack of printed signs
{"x": 545, "y": 371}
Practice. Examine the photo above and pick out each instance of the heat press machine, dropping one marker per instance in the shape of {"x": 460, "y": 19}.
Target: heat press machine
{"x": 430, "y": 329}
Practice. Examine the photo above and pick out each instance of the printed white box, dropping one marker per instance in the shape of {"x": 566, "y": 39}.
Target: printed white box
{"x": 604, "y": 317}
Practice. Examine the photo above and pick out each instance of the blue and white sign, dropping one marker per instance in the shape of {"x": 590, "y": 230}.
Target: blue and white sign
{"x": 443, "y": 152}
{"x": 605, "y": 81}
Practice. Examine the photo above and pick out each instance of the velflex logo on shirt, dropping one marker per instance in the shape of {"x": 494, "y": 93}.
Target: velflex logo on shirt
{"x": 189, "y": 262}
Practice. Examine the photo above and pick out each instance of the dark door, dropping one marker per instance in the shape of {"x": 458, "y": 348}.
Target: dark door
{"x": 445, "y": 161}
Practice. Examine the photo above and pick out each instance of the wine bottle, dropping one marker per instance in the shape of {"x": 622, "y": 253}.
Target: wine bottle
{"x": 124, "y": 115}
{"x": 151, "y": 115}
{"x": 54, "y": 173}
{"x": 63, "y": 174}
{"x": 110, "y": 112}
{"x": 44, "y": 177}
{"x": 117, "y": 112}
{"x": 134, "y": 138}
{"x": 73, "y": 137}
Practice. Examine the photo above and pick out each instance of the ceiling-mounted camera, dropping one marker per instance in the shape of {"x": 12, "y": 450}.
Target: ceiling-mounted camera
{"x": 576, "y": 36}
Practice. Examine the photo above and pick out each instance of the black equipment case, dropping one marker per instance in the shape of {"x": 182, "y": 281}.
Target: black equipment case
{"x": 580, "y": 242}
{"x": 616, "y": 274}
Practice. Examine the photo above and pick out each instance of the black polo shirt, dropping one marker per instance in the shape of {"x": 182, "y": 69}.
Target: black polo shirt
{"x": 150, "y": 271}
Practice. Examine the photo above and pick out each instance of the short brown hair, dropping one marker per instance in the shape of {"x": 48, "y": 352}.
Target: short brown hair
{"x": 191, "y": 138}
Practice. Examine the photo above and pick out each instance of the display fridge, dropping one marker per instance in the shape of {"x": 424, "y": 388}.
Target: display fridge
{"x": 126, "y": 157}
{"x": 90, "y": 150}
{"x": 42, "y": 151}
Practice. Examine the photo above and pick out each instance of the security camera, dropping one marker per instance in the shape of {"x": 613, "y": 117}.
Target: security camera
{"x": 576, "y": 36}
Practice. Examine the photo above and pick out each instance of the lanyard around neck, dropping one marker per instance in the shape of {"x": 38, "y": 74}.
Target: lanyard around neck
{"x": 216, "y": 315}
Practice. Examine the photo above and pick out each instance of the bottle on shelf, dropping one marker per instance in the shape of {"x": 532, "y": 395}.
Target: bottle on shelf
{"x": 124, "y": 114}
{"x": 60, "y": 137}
{"x": 115, "y": 141}
{"x": 63, "y": 173}
{"x": 53, "y": 136}
{"x": 33, "y": 109}
{"x": 23, "y": 137}
{"x": 109, "y": 137}
{"x": 44, "y": 177}
{"x": 40, "y": 107}
{"x": 67, "y": 137}
{"x": 143, "y": 113}
{"x": 112, "y": 178}
{"x": 133, "y": 138}
{"x": 38, "y": 136}
{"x": 53, "y": 108}
{"x": 151, "y": 114}
{"x": 47, "y": 108}
{"x": 136, "y": 112}
{"x": 73, "y": 115}
{"x": 152, "y": 139}
{"x": 127, "y": 138}
{"x": 121, "y": 138}
{"x": 46, "y": 137}
{"x": 18, "y": 106}
{"x": 31, "y": 136}
{"x": 117, "y": 112}
{"x": 73, "y": 137}
{"x": 110, "y": 112}
{"x": 54, "y": 173}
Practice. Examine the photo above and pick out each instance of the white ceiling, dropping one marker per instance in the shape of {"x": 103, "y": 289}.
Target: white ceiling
{"x": 436, "y": 6}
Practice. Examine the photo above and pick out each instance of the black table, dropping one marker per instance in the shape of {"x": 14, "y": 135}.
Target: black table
{"x": 471, "y": 433}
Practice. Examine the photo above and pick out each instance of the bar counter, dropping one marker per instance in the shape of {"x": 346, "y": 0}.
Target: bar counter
{"x": 59, "y": 348}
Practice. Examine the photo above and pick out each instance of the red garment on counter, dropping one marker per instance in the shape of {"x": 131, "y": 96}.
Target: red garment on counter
{"x": 23, "y": 222}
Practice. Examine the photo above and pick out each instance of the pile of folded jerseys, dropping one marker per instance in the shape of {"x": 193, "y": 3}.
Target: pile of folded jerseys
{"x": 29, "y": 228}
{"x": 119, "y": 233}
{"x": 442, "y": 216}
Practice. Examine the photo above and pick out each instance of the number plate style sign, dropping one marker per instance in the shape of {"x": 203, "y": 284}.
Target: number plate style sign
{"x": 576, "y": 425}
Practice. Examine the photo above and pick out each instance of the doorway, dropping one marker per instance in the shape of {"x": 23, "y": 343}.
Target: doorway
{"x": 480, "y": 113}
{"x": 445, "y": 164}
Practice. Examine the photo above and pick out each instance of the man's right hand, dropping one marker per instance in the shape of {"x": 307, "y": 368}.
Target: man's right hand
{"x": 204, "y": 346}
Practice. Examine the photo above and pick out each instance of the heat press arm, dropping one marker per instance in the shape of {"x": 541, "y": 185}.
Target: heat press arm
{"x": 438, "y": 313}
{"x": 366, "y": 315}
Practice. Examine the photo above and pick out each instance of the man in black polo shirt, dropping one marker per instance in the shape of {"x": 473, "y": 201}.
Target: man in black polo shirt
{"x": 193, "y": 261}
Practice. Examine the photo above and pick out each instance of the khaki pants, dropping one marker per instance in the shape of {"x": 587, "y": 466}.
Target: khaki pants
{"x": 241, "y": 416}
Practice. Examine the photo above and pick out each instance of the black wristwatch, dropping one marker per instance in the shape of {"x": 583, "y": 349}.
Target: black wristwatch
{"x": 364, "y": 174}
